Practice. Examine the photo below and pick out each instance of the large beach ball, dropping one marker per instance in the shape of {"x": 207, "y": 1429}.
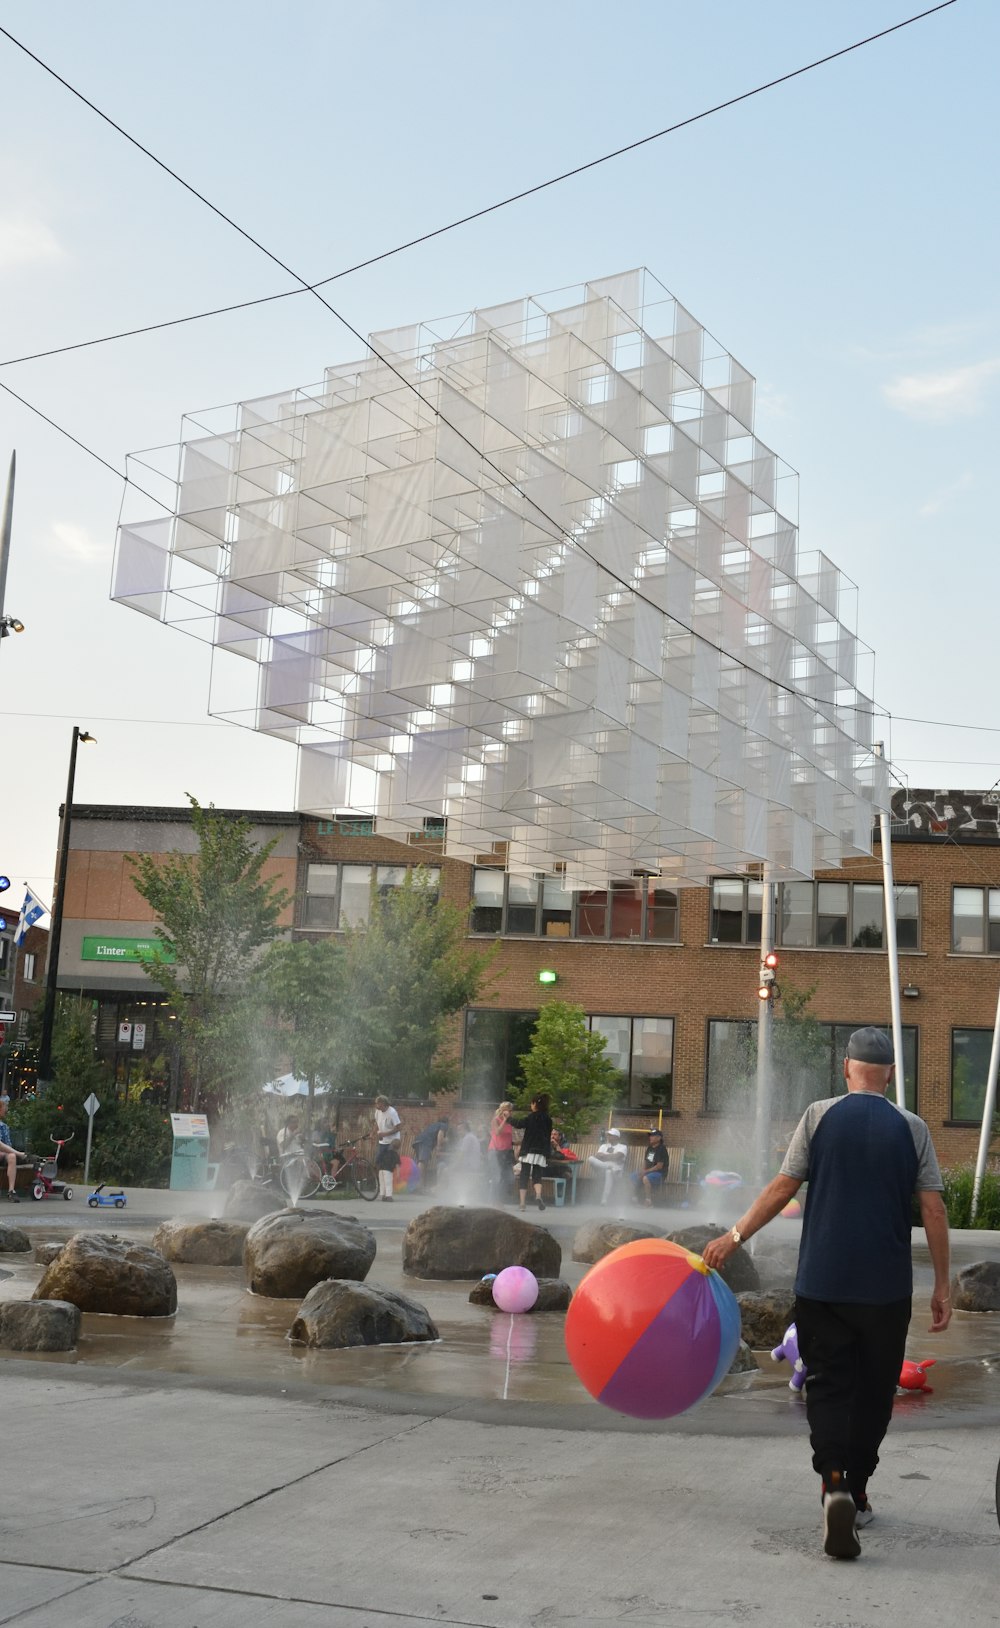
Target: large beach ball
{"x": 651, "y": 1329}
{"x": 515, "y": 1289}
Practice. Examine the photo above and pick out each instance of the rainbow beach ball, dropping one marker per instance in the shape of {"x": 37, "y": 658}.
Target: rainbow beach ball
{"x": 651, "y": 1329}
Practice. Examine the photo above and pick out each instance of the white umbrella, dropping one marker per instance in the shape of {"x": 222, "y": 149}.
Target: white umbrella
{"x": 292, "y": 1085}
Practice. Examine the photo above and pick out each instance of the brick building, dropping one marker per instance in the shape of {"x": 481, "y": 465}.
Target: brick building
{"x": 669, "y": 978}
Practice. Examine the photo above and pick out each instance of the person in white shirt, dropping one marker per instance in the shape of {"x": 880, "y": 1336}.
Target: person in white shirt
{"x": 387, "y": 1153}
{"x": 609, "y": 1160}
{"x": 290, "y": 1138}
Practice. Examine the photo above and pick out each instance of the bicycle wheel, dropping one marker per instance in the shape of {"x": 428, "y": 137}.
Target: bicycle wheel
{"x": 300, "y": 1177}
{"x": 365, "y": 1180}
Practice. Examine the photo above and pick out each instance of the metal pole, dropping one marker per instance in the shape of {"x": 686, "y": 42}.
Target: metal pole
{"x": 5, "y": 529}
{"x": 765, "y": 1020}
{"x": 56, "y": 921}
{"x": 989, "y": 1108}
{"x": 86, "y": 1162}
{"x": 889, "y": 911}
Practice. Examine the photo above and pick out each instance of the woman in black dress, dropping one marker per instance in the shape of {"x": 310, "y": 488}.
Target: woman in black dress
{"x": 535, "y": 1146}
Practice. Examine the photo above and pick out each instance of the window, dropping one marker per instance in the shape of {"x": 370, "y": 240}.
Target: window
{"x": 808, "y": 1064}
{"x": 28, "y": 967}
{"x": 494, "y": 1042}
{"x": 642, "y": 1050}
{"x": 339, "y": 896}
{"x": 975, "y": 921}
{"x": 545, "y": 907}
{"x": 736, "y": 909}
{"x": 842, "y": 915}
{"x": 4, "y": 953}
{"x": 970, "y": 1060}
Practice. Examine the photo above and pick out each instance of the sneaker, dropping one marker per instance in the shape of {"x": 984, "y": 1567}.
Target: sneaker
{"x": 540, "y": 1202}
{"x": 13, "y": 1198}
{"x": 864, "y": 1514}
{"x": 839, "y": 1510}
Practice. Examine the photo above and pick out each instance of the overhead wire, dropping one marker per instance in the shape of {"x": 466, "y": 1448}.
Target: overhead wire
{"x": 409, "y": 384}
{"x": 437, "y": 231}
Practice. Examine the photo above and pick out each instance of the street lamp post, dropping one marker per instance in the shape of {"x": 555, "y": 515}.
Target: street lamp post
{"x": 55, "y": 932}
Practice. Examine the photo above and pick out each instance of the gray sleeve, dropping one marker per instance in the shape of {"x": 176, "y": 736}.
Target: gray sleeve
{"x": 796, "y": 1160}
{"x": 928, "y": 1170}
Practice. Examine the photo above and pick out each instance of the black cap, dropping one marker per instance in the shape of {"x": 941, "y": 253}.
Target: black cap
{"x": 870, "y": 1046}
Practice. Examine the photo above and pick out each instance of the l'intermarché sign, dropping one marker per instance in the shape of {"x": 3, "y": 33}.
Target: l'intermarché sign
{"x": 124, "y": 949}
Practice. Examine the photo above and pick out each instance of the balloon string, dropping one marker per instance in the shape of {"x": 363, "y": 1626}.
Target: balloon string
{"x": 506, "y": 1377}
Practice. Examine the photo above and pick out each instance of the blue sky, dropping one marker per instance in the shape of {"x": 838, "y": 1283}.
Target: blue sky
{"x": 837, "y": 234}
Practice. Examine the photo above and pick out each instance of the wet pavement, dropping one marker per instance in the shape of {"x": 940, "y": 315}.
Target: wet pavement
{"x": 506, "y": 1367}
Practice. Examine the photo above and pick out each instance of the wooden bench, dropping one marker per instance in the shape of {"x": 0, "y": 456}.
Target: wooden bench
{"x": 678, "y": 1173}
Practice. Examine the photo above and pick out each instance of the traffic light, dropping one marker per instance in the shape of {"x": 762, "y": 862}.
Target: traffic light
{"x": 767, "y": 988}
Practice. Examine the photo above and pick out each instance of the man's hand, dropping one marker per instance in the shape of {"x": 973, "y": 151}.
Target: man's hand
{"x": 940, "y": 1312}
{"x": 717, "y": 1253}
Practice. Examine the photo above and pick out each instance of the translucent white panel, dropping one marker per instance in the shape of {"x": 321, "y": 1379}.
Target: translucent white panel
{"x": 528, "y": 569}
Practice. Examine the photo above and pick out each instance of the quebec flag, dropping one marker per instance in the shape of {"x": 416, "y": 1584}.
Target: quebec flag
{"x": 31, "y": 910}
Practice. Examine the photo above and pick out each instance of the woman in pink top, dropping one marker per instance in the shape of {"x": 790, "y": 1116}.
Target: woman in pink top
{"x": 501, "y": 1152}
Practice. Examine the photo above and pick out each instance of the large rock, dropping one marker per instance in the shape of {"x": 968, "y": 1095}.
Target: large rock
{"x": 976, "y": 1287}
{"x": 553, "y": 1295}
{"x": 466, "y": 1243}
{"x": 338, "y": 1313}
{"x": 285, "y": 1255}
{"x": 595, "y": 1239}
{"x": 39, "y": 1325}
{"x": 249, "y": 1200}
{"x": 45, "y": 1254}
{"x": 744, "y": 1361}
{"x": 739, "y": 1271}
{"x": 98, "y": 1272}
{"x": 202, "y": 1243}
{"x": 13, "y": 1240}
{"x": 765, "y": 1314}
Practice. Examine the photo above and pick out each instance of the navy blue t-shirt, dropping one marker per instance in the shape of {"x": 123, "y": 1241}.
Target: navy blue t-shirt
{"x": 863, "y": 1158}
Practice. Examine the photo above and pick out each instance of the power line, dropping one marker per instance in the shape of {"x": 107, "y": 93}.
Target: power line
{"x": 944, "y": 723}
{"x": 174, "y": 723}
{"x": 408, "y": 383}
{"x": 83, "y": 446}
{"x": 438, "y": 231}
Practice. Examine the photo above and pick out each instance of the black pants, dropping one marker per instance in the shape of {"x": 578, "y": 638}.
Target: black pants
{"x": 853, "y": 1355}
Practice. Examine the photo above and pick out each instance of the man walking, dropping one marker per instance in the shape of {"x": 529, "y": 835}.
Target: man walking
{"x": 863, "y": 1159}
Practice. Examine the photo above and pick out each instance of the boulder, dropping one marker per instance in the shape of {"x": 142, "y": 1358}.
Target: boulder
{"x": 744, "y": 1361}
{"x": 765, "y": 1314}
{"x": 249, "y": 1200}
{"x": 739, "y": 1271}
{"x": 341, "y": 1313}
{"x": 202, "y": 1243}
{"x": 553, "y": 1295}
{"x": 466, "y": 1243}
{"x": 976, "y": 1287}
{"x": 776, "y": 1260}
{"x": 595, "y": 1239}
{"x": 284, "y": 1255}
{"x": 39, "y": 1325}
{"x": 45, "y": 1254}
{"x": 13, "y": 1240}
{"x": 99, "y": 1272}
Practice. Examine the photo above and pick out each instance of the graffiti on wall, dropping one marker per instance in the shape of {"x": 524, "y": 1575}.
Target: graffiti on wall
{"x": 965, "y": 816}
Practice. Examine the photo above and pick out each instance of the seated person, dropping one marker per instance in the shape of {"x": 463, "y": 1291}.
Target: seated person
{"x": 654, "y": 1169}
{"x": 609, "y": 1161}
{"x": 290, "y": 1138}
{"x": 8, "y": 1153}
{"x": 324, "y": 1143}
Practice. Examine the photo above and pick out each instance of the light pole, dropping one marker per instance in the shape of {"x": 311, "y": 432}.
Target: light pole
{"x": 55, "y": 932}
{"x": 8, "y": 624}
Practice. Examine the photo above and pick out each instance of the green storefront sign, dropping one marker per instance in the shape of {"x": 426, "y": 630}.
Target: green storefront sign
{"x": 124, "y": 949}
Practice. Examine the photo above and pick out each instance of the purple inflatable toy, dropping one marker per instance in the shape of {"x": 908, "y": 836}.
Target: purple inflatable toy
{"x": 788, "y": 1351}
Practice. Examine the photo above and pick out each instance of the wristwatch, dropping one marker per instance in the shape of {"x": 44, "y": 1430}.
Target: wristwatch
{"x": 736, "y": 1235}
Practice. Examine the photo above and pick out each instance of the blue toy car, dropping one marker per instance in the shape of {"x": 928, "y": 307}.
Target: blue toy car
{"x": 99, "y": 1197}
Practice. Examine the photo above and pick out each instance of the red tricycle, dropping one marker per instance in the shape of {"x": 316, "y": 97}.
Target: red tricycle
{"x": 45, "y": 1182}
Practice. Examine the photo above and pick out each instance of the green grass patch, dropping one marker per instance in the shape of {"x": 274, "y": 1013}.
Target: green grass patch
{"x": 958, "y": 1186}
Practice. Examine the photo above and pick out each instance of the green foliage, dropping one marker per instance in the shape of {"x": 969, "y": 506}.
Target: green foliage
{"x": 401, "y": 978}
{"x": 303, "y": 983}
{"x": 215, "y": 911}
{"x": 132, "y": 1145}
{"x": 958, "y": 1185}
{"x": 567, "y": 1060}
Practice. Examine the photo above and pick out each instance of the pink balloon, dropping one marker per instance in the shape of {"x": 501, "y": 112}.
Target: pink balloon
{"x": 515, "y": 1289}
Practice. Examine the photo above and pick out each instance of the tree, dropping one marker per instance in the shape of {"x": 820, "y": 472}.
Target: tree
{"x": 215, "y": 911}
{"x": 303, "y": 984}
{"x": 403, "y": 976}
{"x": 568, "y": 1061}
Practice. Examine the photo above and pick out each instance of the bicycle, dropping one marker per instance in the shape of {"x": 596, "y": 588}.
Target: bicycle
{"x": 301, "y": 1175}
